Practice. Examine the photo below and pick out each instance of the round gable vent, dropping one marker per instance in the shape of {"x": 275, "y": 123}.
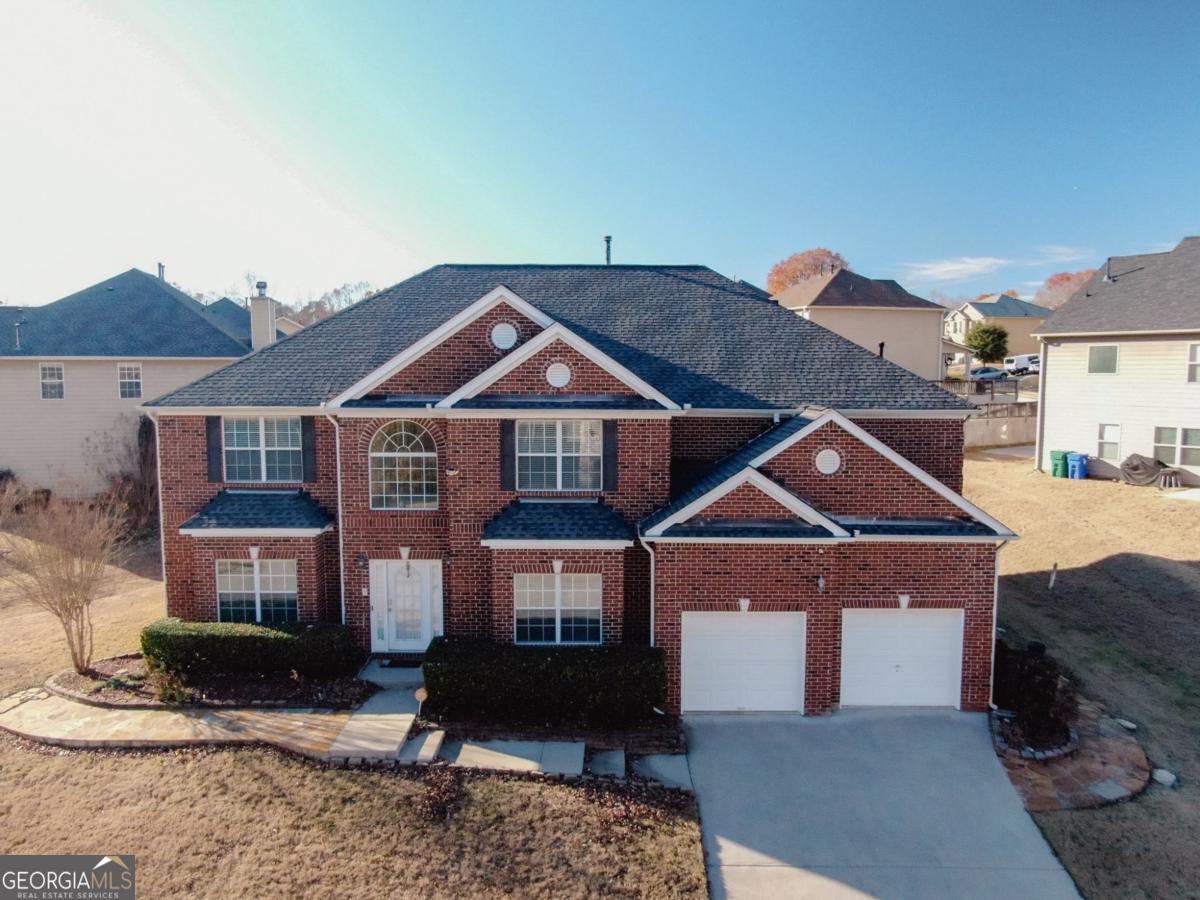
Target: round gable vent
{"x": 828, "y": 461}
{"x": 504, "y": 336}
{"x": 558, "y": 375}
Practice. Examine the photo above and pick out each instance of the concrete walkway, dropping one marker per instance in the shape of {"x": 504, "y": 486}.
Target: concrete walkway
{"x": 548, "y": 757}
{"x": 378, "y": 729}
{"x": 883, "y": 803}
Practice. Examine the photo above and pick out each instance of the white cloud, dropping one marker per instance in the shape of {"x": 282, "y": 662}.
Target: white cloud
{"x": 113, "y": 159}
{"x": 1059, "y": 253}
{"x": 958, "y": 268}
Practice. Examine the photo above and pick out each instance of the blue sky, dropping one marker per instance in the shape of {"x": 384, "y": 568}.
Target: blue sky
{"x": 957, "y": 147}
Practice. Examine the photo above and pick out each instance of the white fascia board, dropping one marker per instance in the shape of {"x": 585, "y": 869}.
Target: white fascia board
{"x": 553, "y": 544}
{"x": 557, "y": 332}
{"x": 456, "y": 323}
{"x": 1150, "y": 332}
{"x": 936, "y": 539}
{"x": 668, "y": 539}
{"x": 908, "y": 413}
{"x": 255, "y": 532}
{"x": 836, "y": 418}
{"x": 355, "y": 412}
{"x": 233, "y": 410}
{"x": 749, "y": 476}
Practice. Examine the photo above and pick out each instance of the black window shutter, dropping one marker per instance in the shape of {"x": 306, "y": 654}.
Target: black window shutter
{"x": 212, "y": 433}
{"x": 308, "y": 444}
{"x": 508, "y": 455}
{"x": 609, "y": 465}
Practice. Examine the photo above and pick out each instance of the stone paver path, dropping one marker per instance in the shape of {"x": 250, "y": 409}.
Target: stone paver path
{"x": 1109, "y": 766}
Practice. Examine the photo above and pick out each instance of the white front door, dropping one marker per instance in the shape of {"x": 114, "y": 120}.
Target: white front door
{"x": 406, "y": 604}
{"x": 751, "y": 661}
{"x": 902, "y": 657}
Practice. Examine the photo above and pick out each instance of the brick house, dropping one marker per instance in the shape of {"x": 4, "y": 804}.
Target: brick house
{"x": 585, "y": 455}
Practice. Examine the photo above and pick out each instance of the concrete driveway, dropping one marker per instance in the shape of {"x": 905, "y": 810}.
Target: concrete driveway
{"x": 878, "y": 803}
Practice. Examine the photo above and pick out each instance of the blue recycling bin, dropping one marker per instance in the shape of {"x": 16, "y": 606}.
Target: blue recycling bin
{"x": 1077, "y": 465}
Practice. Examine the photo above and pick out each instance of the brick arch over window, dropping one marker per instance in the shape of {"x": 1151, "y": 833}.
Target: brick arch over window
{"x": 403, "y": 461}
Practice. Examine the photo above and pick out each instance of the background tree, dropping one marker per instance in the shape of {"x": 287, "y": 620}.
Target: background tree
{"x": 805, "y": 264}
{"x": 989, "y": 343}
{"x": 1011, "y": 292}
{"x": 58, "y": 555}
{"x": 1060, "y": 286}
{"x": 332, "y": 301}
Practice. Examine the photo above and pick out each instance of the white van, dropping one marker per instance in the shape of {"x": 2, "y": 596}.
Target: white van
{"x": 1019, "y": 365}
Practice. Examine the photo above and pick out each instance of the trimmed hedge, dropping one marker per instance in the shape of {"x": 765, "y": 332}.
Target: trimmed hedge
{"x": 318, "y": 650}
{"x": 609, "y": 686}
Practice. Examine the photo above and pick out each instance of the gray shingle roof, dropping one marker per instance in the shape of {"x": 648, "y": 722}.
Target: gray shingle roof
{"x": 532, "y": 520}
{"x": 130, "y": 315}
{"x": 1005, "y": 306}
{"x": 748, "y": 528}
{"x": 846, "y": 288}
{"x": 920, "y": 527}
{"x": 260, "y": 509}
{"x": 1150, "y": 292}
{"x": 695, "y": 335}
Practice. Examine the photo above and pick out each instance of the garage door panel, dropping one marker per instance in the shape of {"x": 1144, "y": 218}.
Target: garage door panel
{"x": 901, "y": 657}
{"x": 742, "y": 661}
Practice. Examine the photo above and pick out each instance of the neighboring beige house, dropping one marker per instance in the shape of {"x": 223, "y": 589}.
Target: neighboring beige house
{"x": 1121, "y": 365}
{"x": 1019, "y": 318}
{"x": 874, "y": 313}
{"x": 74, "y": 372}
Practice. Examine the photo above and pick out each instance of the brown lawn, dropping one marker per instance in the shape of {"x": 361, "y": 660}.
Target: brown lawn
{"x": 257, "y": 823}
{"x": 1125, "y": 616}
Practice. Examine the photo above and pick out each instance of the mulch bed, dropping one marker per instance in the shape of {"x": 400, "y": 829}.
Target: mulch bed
{"x": 663, "y": 736}
{"x": 123, "y": 681}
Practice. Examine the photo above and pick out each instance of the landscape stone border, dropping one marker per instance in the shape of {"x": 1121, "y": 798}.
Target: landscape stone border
{"x": 997, "y": 718}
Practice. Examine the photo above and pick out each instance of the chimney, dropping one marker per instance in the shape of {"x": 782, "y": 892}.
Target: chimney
{"x": 608, "y": 249}
{"x": 162, "y": 272}
{"x": 262, "y": 318}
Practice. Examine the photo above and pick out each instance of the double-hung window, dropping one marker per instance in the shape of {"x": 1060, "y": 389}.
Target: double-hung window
{"x": 559, "y": 454}
{"x": 1108, "y": 447}
{"x": 129, "y": 381}
{"x": 53, "y": 381}
{"x": 263, "y": 448}
{"x": 558, "y": 609}
{"x": 1194, "y": 364}
{"x": 1102, "y": 359}
{"x": 256, "y": 590}
{"x": 1177, "y": 446}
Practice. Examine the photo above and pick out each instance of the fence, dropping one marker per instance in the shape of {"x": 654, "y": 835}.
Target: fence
{"x": 1002, "y": 390}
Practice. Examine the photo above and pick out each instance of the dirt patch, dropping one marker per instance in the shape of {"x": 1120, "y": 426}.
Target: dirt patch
{"x": 125, "y": 681}
{"x": 1123, "y": 616}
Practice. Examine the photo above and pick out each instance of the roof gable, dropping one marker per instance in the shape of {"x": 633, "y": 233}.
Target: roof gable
{"x": 1006, "y": 307}
{"x": 844, "y": 288}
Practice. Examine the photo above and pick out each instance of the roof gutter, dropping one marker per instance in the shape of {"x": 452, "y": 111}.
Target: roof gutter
{"x": 653, "y": 562}
{"x": 337, "y": 441}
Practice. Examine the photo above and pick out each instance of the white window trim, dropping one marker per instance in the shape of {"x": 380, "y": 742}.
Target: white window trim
{"x": 42, "y": 379}
{"x": 140, "y": 383}
{"x": 558, "y": 609}
{"x": 403, "y": 454}
{"x": 1193, "y": 349}
{"x": 262, "y": 452}
{"x": 1179, "y": 446}
{"x": 1100, "y": 440}
{"x": 558, "y": 459}
{"x": 257, "y": 586}
{"x": 1116, "y": 369}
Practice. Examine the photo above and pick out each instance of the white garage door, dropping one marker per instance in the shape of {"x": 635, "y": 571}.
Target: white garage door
{"x": 901, "y": 657}
{"x": 743, "y": 661}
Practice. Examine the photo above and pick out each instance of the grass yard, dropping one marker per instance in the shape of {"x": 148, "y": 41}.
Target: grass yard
{"x": 256, "y": 823}
{"x": 1125, "y": 616}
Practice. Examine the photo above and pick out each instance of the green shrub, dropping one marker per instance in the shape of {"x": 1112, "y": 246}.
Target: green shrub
{"x": 190, "y": 649}
{"x": 610, "y": 686}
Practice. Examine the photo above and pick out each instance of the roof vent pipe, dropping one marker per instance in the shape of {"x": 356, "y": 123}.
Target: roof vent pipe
{"x": 162, "y": 272}
{"x": 881, "y": 349}
{"x": 261, "y": 287}
{"x": 1108, "y": 276}
{"x": 608, "y": 249}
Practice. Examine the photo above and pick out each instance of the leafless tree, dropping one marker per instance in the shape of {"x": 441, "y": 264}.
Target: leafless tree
{"x": 57, "y": 554}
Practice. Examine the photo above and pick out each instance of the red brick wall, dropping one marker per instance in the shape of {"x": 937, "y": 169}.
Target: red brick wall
{"x": 309, "y": 554}
{"x": 783, "y": 578}
{"x": 745, "y": 502}
{"x": 186, "y": 488}
{"x": 609, "y": 564}
{"x": 936, "y": 445}
{"x": 866, "y": 484}
{"x": 586, "y": 377}
{"x": 460, "y": 357}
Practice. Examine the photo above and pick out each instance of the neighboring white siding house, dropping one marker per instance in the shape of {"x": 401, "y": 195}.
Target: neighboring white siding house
{"x": 73, "y": 373}
{"x": 1121, "y": 366}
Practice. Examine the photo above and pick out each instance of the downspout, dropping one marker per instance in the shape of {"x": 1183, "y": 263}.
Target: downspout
{"x": 162, "y": 525}
{"x": 1038, "y": 444}
{"x": 337, "y": 439}
{"x": 995, "y": 609}
{"x": 646, "y": 546}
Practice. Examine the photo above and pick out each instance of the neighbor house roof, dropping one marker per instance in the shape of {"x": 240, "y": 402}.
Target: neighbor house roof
{"x": 133, "y": 315}
{"x": 845, "y": 288}
{"x": 258, "y": 510}
{"x": 570, "y": 520}
{"x": 1002, "y": 306}
{"x": 236, "y": 317}
{"x": 696, "y": 336}
{"x": 1152, "y": 292}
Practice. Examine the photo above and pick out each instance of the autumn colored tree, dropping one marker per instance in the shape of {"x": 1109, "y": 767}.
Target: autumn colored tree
{"x": 1060, "y": 286}
{"x": 802, "y": 265}
{"x": 988, "y": 343}
{"x": 1011, "y": 292}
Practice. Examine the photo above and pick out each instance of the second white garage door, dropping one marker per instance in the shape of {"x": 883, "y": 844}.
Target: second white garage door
{"x": 743, "y": 662}
{"x": 901, "y": 657}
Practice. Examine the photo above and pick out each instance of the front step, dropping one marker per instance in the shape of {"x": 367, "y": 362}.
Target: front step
{"x": 422, "y": 749}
